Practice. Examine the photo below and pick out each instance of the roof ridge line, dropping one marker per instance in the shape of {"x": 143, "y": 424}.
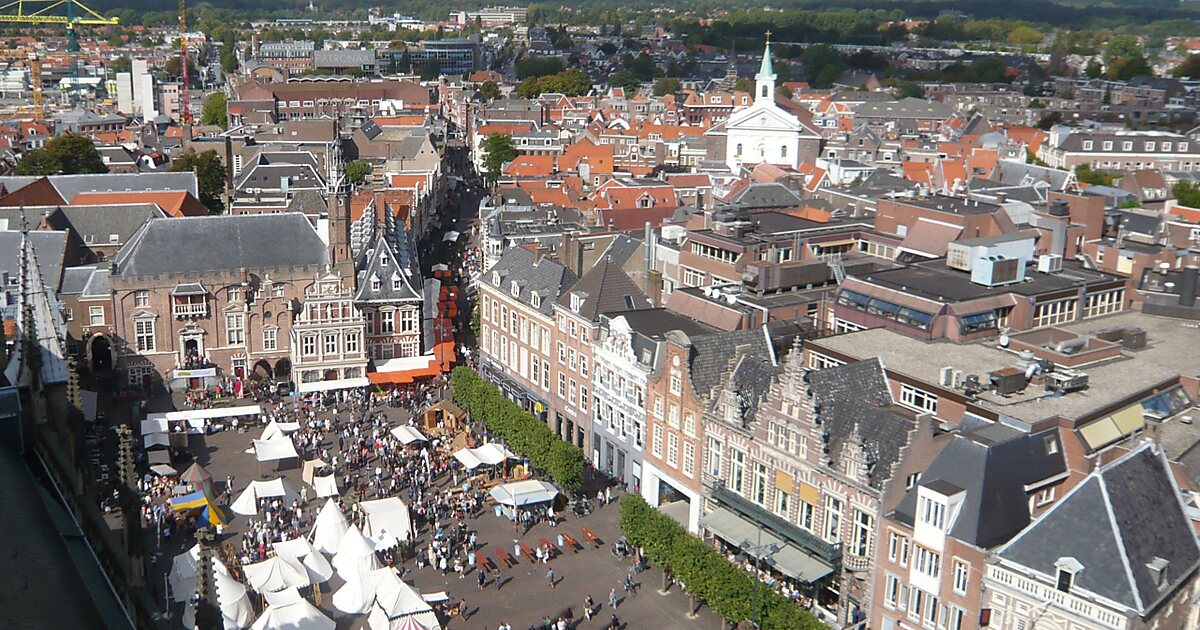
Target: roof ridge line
{"x": 1116, "y": 529}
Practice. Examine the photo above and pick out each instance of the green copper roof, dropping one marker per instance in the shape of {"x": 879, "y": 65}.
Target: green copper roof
{"x": 766, "y": 71}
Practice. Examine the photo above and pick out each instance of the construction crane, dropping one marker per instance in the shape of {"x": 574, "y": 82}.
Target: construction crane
{"x": 42, "y": 12}
{"x": 185, "y": 97}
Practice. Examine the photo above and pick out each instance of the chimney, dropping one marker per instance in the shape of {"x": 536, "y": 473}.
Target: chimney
{"x": 1187, "y": 288}
{"x": 380, "y": 208}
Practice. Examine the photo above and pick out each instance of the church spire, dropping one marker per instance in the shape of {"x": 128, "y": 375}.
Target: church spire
{"x": 765, "y": 79}
{"x": 337, "y": 188}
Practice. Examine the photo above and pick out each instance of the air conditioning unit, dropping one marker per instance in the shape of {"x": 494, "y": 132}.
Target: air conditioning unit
{"x": 946, "y": 376}
{"x": 1049, "y": 263}
{"x": 1064, "y": 381}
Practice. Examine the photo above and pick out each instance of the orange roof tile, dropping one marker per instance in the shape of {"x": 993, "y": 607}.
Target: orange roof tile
{"x": 174, "y": 203}
{"x": 919, "y": 172}
{"x": 530, "y": 166}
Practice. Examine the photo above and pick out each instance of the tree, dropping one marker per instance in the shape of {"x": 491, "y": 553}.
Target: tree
{"x": 1023, "y": 35}
{"x": 608, "y": 48}
{"x": 1186, "y": 193}
{"x": 1086, "y": 175}
{"x": 822, "y": 65}
{"x": 1047, "y": 121}
{"x": 624, "y": 79}
{"x": 174, "y": 66}
{"x": 1126, "y": 68}
{"x": 121, "y": 64}
{"x": 37, "y": 162}
{"x": 216, "y": 110}
{"x": 1190, "y": 68}
{"x": 75, "y": 154}
{"x": 666, "y": 85}
{"x": 358, "y": 171}
{"x": 490, "y": 90}
{"x": 1094, "y": 69}
{"x": 539, "y": 67}
{"x": 909, "y": 89}
{"x": 744, "y": 84}
{"x": 498, "y": 150}
{"x": 210, "y": 176}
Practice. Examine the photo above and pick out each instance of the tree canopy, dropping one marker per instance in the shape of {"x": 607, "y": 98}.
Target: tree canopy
{"x": 63, "y": 155}
{"x": 571, "y": 82}
{"x": 1186, "y": 193}
{"x": 216, "y": 110}
{"x": 358, "y": 171}
{"x": 498, "y": 149}
{"x": 210, "y": 176}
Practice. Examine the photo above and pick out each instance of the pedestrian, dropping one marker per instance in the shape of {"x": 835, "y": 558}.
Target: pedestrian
{"x": 496, "y": 578}
{"x": 607, "y": 496}
{"x": 481, "y": 577}
{"x": 462, "y": 609}
{"x": 615, "y": 624}
{"x": 550, "y": 577}
{"x": 588, "y": 605}
{"x": 612, "y": 599}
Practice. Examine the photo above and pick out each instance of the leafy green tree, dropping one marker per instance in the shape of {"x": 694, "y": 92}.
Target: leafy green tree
{"x": 210, "y": 176}
{"x": 1190, "y": 68}
{"x": 490, "y": 90}
{"x": 1086, "y": 175}
{"x": 1126, "y": 68}
{"x": 744, "y": 84}
{"x": 498, "y": 149}
{"x": 229, "y": 61}
{"x": 76, "y": 154}
{"x": 539, "y": 67}
{"x": 625, "y": 79}
{"x": 608, "y": 48}
{"x": 215, "y": 110}
{"x": 1094, "y": 69}
{"x": 1186, "y": 193}
{"x": 37, "y": 162}
{"x": 1047, "y": 121}
{"x": 909, "y": 89}
{"x": 357, "y": 171}
{"x": 822, "y": 65}
{"x": 1024, "y": 35}
{"x": 666, "y": 85}
{"x": 120, "y": 64}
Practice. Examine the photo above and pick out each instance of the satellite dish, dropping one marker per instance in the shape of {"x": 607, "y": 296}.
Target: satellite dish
{"x": 1004, "y": 338}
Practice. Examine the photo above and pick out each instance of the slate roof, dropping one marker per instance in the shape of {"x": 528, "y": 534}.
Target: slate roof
{"x": 544, "y": 277}
{"x": 712, "y": 354}
{"x": 856, "y": 397}
{"x": 750, "y": 378}
{"x": 994, "y": 476}
{"x": 608, "y": 289}
{"x": 194, "y": 245}
{"x": 765, "y": 196}
{"x": 904, "y": 108}
{"x": 400, "y": 266}
{"x": 100, "y": 222}
{"x": 309, "y": 202}
{"x": 48, "y": 246}
{"x": 1114, "y": 523}
{"x": 68, "y": 186}
{"x": 622, "y": 248}
{"x": 1018, "y": 173}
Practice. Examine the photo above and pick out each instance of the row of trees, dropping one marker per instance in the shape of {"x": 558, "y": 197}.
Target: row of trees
{"x": 525, "y": 434}
{"x": 723, "y": 586}
{"x": 62, "y": 155}
{"x": 572, "y": 82}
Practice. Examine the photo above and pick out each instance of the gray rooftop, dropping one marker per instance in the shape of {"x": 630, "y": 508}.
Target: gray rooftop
{"x": 191, "y": 245}
{"x": 1115, "y": 523}
{"x": 533, "y": 274}
{"x": 1110, "y": 382}
{"x": 69, "y": 186}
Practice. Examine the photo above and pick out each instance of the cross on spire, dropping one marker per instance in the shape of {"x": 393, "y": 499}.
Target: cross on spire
{"x": 768, "y": 37}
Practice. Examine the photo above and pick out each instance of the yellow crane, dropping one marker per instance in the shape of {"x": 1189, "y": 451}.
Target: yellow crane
{"x": 41, "y": 12}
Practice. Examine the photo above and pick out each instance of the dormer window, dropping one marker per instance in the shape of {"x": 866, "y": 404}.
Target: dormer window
{"x": 1065, "y": 577}
{"x": 376, "y": 285}
{"x": 515, "y": 289}
{"x": 931, "y": 512}
{"x": 395, "y": 283}
{"x": 496, "y": 278}
{"x": 536, "y": 300}
{"x": 383, "y": 260}
{"x": 576, "y": 302}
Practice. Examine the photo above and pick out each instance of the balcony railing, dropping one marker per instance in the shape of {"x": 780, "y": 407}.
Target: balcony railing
{"x": 186, "y": 311}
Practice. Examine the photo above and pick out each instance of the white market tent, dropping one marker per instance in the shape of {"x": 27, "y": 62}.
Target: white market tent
{"x": 325, "y": 486}
{"x": 294, "y": 613}
{"x": 275, "y": 429}
{"x": 163, "y": 470}
{"x": 486, "y": 455}
{"x": 354, "y": 555}
{"x": 185, "y": 572}
{"x": 197, "y": 419}
{"x": 396, "y": 602}
{"x": 234, "y": 602}
{"x": 275, "y": 574}
{"x": 521, "y": 493}
{"x": 246, "y": 503}
{"x": 310, "y": 469}
{"x": 358, "y": 593}
{"x": 329, "y": 528}
{"x": 274, "y": 449}
{"x": 408, "y": 434}
{"x": 387, "y": 522}
{"x": 302, "y": 551}
{"x": 152, "y": 440}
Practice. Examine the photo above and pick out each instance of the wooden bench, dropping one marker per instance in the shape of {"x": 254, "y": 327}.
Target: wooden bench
{"x": 592, "y": 538}
{"x": 485, "y": 563}
{"x": 551, "y": 547}
{"x": 527, "y": 552}
{"x": 571, "y": 542}
{"x": 505, "y": 558}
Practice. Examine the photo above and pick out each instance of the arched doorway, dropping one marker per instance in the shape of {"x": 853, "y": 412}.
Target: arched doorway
{"x": 283, "y": 369}
{"x": 100, "y": 354}
{"x": 262, "y": 370}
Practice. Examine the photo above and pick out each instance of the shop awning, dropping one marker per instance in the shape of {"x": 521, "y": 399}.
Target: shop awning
{"x": 325, "y": 386}
{"x": 789, "y": 560}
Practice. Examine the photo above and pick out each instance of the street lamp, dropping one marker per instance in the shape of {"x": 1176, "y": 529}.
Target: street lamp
{"x": 759, "y": 552}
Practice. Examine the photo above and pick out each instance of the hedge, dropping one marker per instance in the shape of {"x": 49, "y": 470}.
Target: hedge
{"x": 524, "y": 433}
{"x": 725, "y": 587}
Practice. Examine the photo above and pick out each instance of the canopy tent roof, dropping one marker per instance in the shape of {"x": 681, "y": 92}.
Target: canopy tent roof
{"x": 398, "y": 605}
{"x": 354, "y": 554}
{"x": 358, "y": 593}
{"x": 789, "y": 560}
{"x": 297, "y": 614}
{"x": 202, "y": 414}
{"x": 198, "y": 477}
{"x": 408, "y": 434}
{"x": 152, "y": 440}
{"x": 486, "y": 455}
{"x": 275, "y": 449}
{"x": 525, "y": 492}
{"x": 200, "y": 500}
{"x": 275, "y": 429}
{"x": 185, "y": 571}
{"x": 234, "y": 602}
{"x": 310, "y": 469}
{"x": 387, "y": 522}
{"x": 302, "y": 551}
{"x": 246, "y": 503}
{"x": 326, "y": 486}
{"x": 163, "y": 470}
{"x": 329, "y": 528}
{"x": 275, "y": 574}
